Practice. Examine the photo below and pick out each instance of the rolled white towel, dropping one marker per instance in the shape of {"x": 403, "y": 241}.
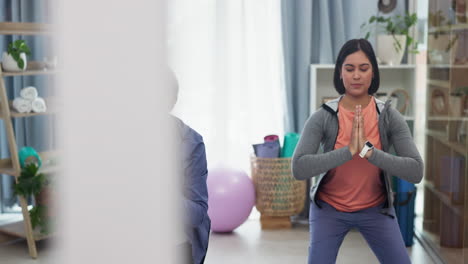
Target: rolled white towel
{"x": 22, "y": 105}
{"x": 39, "y": 105}
{"x": 29, "y": 93}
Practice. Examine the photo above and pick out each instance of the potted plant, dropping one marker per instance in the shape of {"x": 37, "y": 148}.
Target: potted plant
{"x": 443, "y": 45}
{"x": 15, "y": 57}
{"x": 33, "y": 183}
{"x": 393, "y": 36}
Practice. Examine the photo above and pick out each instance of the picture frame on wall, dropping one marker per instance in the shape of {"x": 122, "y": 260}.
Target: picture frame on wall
{"x": 439, "y": 104}
{"x": 400, "y": 100}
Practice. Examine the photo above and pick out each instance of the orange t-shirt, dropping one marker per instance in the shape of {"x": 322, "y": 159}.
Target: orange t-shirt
{"x": 355, "y": 185}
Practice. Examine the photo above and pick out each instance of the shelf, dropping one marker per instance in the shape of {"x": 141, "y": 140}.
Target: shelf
{"x": 449, "y": 28}
{"x": 6, "y": 166}
{"x": 17, "y": 229}
{"x": 401, "y": 66}
{"x": 49, "y": 103}
{"x": 10, "y": 166}
{"x": 457, "y": 209}
{"x": 29, "y": 72}
{"x": 394, "y": 67}
{"x": 16, "y": 28}
{"x": 447, "y": 118}
{"x": 437, "y": 134}
{"x": 444, "y": 84}
{"x": 32, "y": 68}
{"x": 442, "y": 138}
{"x": 15, "y": 114}
{"x": 448, "y": 66}
{"x": 8, "y": 171}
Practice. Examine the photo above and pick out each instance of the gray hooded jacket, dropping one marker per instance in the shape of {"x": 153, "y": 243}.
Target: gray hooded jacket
{"x": 321, "y": 130}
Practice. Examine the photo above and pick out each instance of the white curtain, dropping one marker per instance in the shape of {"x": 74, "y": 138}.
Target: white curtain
{"x": 227, "y": 55}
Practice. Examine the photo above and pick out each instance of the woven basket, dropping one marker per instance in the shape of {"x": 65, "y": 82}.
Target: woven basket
{"x": 277, "y": 192}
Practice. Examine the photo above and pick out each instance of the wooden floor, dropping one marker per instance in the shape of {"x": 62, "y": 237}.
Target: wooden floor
{"x": 15, "y": 251}
{"x": 250, "y": 244}
{"x": 247, "y": 244}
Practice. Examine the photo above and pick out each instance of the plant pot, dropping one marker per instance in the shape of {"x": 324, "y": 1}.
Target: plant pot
{"x": 9, "y": 64}
{"x": 443, "y": 48}
{"x": 44, "y": 198}
{"x": 387, "y": 51}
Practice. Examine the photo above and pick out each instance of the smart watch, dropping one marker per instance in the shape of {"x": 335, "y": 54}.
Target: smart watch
{"x": 367, "y": 146}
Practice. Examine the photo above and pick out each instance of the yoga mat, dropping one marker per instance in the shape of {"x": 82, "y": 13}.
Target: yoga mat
{"x": 290, "y": 142}
{"x": 270, "y": 149}
{"x": 271, "y": 138}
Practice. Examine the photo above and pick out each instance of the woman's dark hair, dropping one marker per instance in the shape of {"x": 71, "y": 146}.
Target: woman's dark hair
{"x": 348, "y": 48}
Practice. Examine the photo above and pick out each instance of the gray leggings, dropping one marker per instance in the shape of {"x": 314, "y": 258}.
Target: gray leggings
{"x": 328, "y": 227}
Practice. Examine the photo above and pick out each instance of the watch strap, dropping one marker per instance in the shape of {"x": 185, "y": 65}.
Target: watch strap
{"x": 364, "y": 150}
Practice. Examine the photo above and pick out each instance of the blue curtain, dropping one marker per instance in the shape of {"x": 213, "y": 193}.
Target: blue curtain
{"x": 36, "y": 132}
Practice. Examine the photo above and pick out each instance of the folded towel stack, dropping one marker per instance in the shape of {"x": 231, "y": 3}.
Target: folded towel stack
{"x": 22, "y": 105}
{"x": 38, "y": 105}
{"x": 29, "y": 100}
{"x": 29, "y": 93}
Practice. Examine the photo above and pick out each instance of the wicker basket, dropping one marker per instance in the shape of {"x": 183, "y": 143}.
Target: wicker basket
{"x": 277, "y": 192}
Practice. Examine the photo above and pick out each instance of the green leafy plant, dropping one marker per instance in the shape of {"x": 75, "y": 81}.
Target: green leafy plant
{"x": 30, "y": 182}
{"x": 395, "y": 25}
{"x": 15, "y": 49}
{"x": 463, "y": 90}
{"x": 38, "y": 215}
{"x": 437, "y": 19}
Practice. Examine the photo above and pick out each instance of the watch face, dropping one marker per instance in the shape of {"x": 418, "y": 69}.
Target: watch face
{"x": 369, "y": 144}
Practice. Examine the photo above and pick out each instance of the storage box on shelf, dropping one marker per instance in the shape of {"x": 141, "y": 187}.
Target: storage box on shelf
{"x": 11, "y": 165}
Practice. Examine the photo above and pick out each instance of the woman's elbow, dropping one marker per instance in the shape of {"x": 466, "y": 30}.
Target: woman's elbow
{"x": 296, "y": 174}
{"x": 297, "y": 171}
{"x": 417, "y": 175}
{"x": 420, "y": 172}
{"x": 417, "y": 179}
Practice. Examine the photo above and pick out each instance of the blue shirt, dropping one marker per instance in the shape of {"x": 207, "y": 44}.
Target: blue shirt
{"x": 195, "y": 191}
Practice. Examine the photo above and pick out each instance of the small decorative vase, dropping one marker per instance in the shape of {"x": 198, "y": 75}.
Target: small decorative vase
{"x": 9, "y": 64}
{"x": 386, "y": 51}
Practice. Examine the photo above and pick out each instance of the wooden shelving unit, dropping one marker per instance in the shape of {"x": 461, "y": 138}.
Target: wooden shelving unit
{"x": 17, "y": 229}
{"x": 6, "y": 165}
{"x": 445, "y": 220}
{"x": 452, "y": 28}
{"x": 11, "y": 166}
{"x": 16, "y": 114}
{"x": 28, "y": 72}
{"x": 439, "y": 83}
{"x": 457, "y": 209}
{"x": 401, "y": 76}
{"x": 15, "y": 28}
{"x": 442, "y": 138}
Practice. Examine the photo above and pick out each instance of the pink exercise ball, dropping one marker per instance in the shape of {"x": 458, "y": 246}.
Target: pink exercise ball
{"x": 231, "y": 197}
